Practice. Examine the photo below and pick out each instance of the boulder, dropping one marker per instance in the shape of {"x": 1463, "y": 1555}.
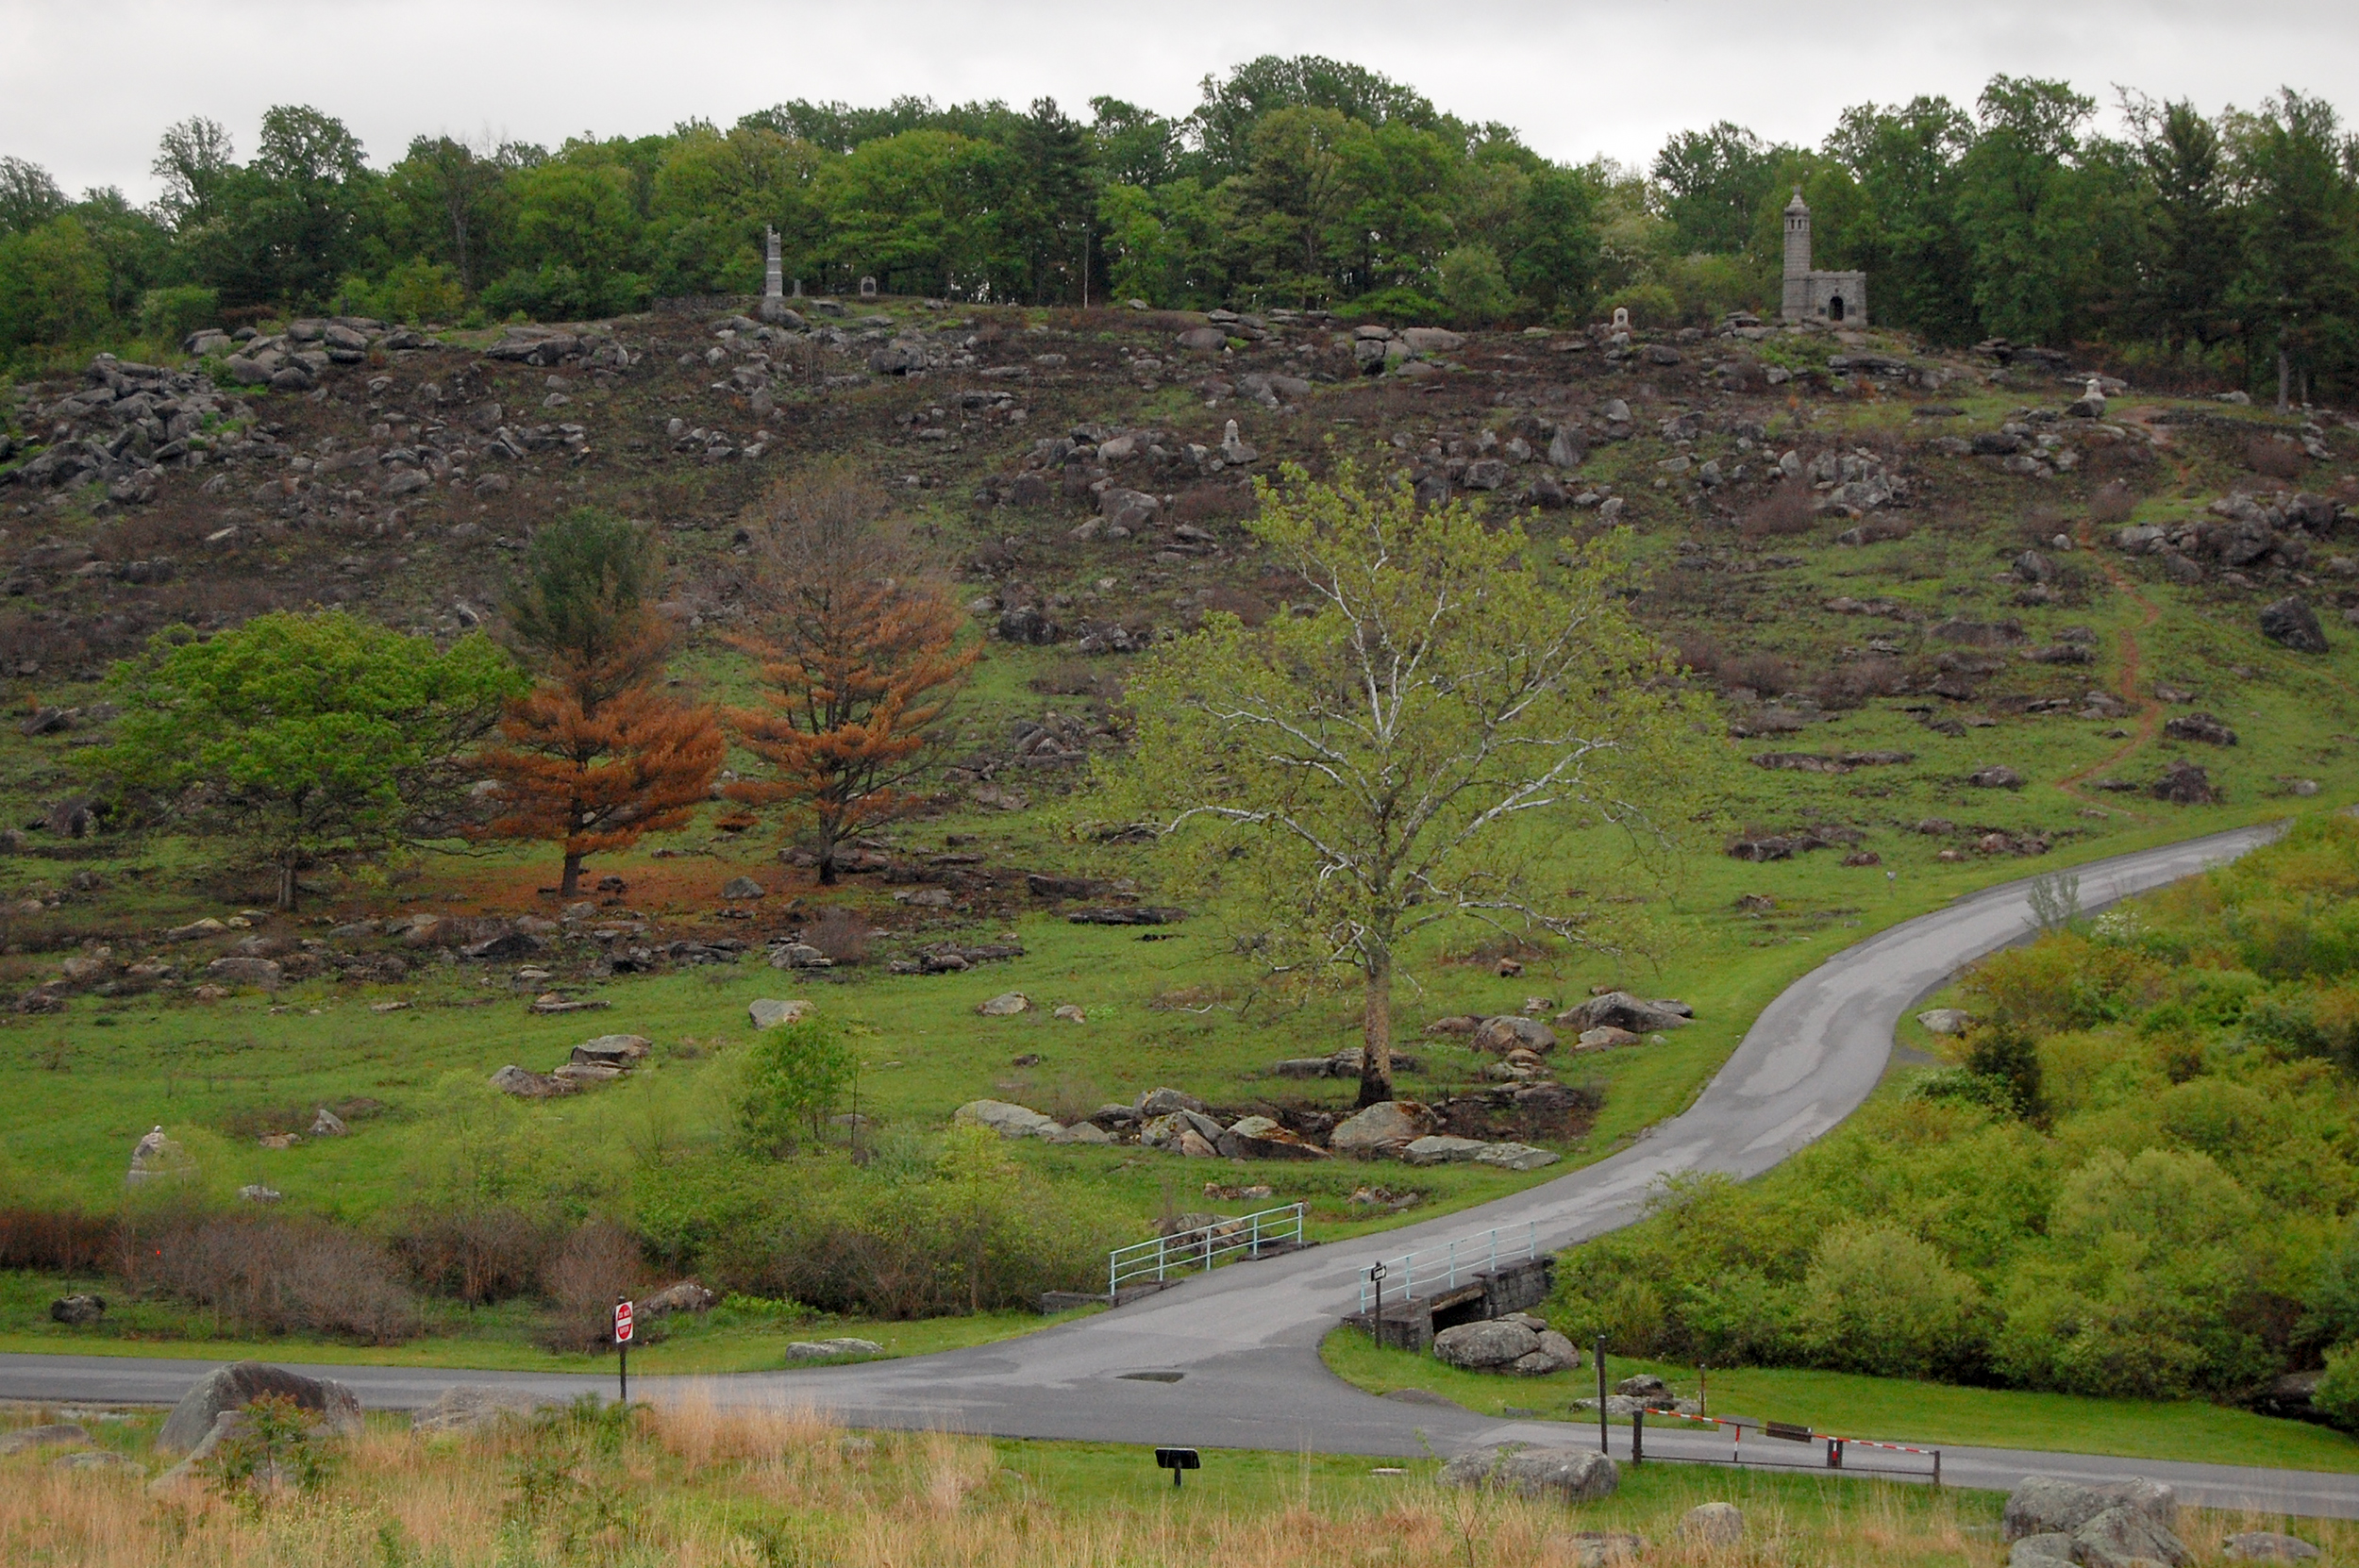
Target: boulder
{"x": 1996, "y": 778}
{"x": 1605, "y": 1037}
{"x": 1203, "y": 340}
{"x": 1435, "y": 1149}
{"x": 1559, "y": 1475}
{"x": 473, "y": 1406}
{"x": 1006, "y": 1005}
{"x": 1080, "y": 1132}
{"x": 2291, "y": 622}
{"x": 54, "y": 1435}
{"x": 157, "y": 1158}
{"x": 1481, "y": 1346}
{"x": 1514, "y": 1157}
{"x": 328, "y": 1125}
{"x": 1163, "y": 1102}
{"x": 1195, "y": 1146}
{"x": 1713, "y": 1525}
{"x": 1604, "y": 1548}
{"x": 1384, "y": 1127}
{"x": 613, "y": 1050}
{"x": 1646, "y": 1385}
{"x": 2056, "y": 1505}
{"x": 1007, "y": 1119}
{"x": 743, "y": 887}
{"x": 1555, "y": 1354}
{"x": 1259, "y": 1137}
{"x": 78, "y": 1310}
{"x": 1432, "y": 339}
{"x": 2185, "y": 784}
{"x": 686, "y": 1296}
{"x": 2202, "y": 727}
{"x": 1621, "y": 1011}
{"x": 1950, "y": 1021}
{"x": 1508, "y": 1032}
{"x": 527, "y": 1085}
{"x": 768, "y": 1012}
{"x": 815, "y": 1350}
{"x": 233, "y": 1388}
{"x": 261, "y": 972}
{"x": 2268, "y": 1546}
{"x": 2036, "y": 1551}
{"x": 2126, "y": 1538}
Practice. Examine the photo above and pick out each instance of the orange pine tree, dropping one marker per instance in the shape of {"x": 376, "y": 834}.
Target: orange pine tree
{"x": 595, "y": 756}
{"x": 862, "y": 662}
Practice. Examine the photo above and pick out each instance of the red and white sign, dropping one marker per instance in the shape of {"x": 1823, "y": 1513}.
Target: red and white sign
{"x": 622, "y": 1323}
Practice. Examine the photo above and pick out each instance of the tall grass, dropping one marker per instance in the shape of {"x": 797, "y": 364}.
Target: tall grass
{"x": 694, "y": 1484}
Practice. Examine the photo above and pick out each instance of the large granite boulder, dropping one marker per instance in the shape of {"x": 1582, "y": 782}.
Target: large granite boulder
{"x": 2126, "y": 1538}
{"x": 1384, "y": 1127}
{"x": 1484, "y": 1346}
{"x": 1508, "y": 1031}
{"x": 2292, "y": 624}
{"x": 1007, "y": 1119}
{"x": 1560, "y": 1474}
{"x": 2058, "y": 1505}
{"x": 1713, "y": 1525}
{"x": 1619, "y": 1009}
{"x": 233, "y": 1388}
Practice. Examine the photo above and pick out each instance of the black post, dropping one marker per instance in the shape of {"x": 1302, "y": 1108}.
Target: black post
{"x": 1601, "y": 1444}
{"x": 1638, "y": 1435}
{"x": 1376, "y": 1323}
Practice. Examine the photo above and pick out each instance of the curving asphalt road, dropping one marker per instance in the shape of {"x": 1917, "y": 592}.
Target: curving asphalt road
{"x": 1234, "y": 1353}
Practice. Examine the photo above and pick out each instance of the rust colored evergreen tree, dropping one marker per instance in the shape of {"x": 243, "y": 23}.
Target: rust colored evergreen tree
{"x": 596, "y": 755}
{"x": 860, "y": 656}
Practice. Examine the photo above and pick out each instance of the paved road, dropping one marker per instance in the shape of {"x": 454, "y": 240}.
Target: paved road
{"x": 1243, "y": 1341}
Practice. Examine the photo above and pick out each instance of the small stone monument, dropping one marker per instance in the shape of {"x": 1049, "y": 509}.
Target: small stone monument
{"x": 1621, "y": 318}
{"x": 868, "y": 288}
{"x": 773, "y": 280}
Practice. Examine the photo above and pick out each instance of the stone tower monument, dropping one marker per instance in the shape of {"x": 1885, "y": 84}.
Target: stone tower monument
{"x": 1815, "y": 295}
{"x": 773, "y": 280}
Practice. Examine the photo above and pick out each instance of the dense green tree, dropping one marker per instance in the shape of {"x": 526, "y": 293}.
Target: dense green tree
{"x": 2190, "y": 255}
{"x": 1713, "y": 183}
{"x": 53, "y": 286}
{"x": 1407, "y": 756}
{"x": 197, "y": 164}
{"x": 1904, "y": 162}
{"x": 302, "y": 737}
{"x": 793, "y": 1075}
{"x": 28, "y": 197}
{"x": 2298, "y": 283}
{"x": 1224, "y": 124}
{"x": 2022, "y": 208}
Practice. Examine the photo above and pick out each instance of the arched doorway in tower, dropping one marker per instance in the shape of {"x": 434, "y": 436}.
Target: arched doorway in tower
{"x": 1834, "y": 308}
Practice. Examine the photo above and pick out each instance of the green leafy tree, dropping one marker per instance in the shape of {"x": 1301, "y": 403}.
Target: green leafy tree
{"x": 1552, "y": 259}
{"x": 196, "y": 161}
{"x": 1407, "y": 756}
{"x": 303, "y": 736}
{"x": 1714, "y": 181}
{"x": 28, "y": 196}
{"x": 1905, "y": 163}
{"x": 2298, "y": 287}
{"x": 2021, "y": 206}
{"x": 53, "y": 286}
{"x": 2190, "y": 258}
{"x": 1473, "y": 285}
{"x": 793, "y": 1075}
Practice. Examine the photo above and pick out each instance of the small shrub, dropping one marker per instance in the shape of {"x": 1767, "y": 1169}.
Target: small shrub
{"x": 1764, "y": 672}
{"x": 278, "y": 1448}
{"x": 1214, "y": 503}
{"x": 480, "y": 1255}
{"x": 792, "y": 1078}
{"x": 593, "y": 1267}
{"x": 1849, "y": 685}
{"x": 280, "y": 1277}
{"x": 2336, "y": 1398}
{"x": 171, "y": 314}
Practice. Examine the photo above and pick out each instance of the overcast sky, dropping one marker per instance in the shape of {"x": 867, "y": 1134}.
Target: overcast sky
{"x": 86, "y": 85}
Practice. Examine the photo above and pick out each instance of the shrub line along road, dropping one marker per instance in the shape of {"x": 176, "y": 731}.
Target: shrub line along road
{"x": 1243, "y": 1341}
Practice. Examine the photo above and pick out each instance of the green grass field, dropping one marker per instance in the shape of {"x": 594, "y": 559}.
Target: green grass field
{"x": 1883, "y": 1409}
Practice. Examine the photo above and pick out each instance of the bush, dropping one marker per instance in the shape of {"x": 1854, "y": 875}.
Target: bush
{"x": 1649, "y": 304}
{"x": 2275, "y": 459}
{"x": 169, "y": 316}
{"x": 1473, "y": 285}
{"x": 558, "y": 293}
{"x": 479, "y": 1255}
{"x": 277, "y": 1276}
{"x": 2336, "y": 1398}
{"x": 593, "y": 1266}
{"x": 789, "y": 1082}
{"x": 1879, "y": 1300}
{"x": 414, "y": 291}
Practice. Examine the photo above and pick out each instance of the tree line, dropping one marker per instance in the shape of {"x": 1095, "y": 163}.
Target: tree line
{"x": 2223, "y": 244}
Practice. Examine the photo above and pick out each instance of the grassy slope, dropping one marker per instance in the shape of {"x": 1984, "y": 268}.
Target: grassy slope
{"x": 1889, "y": 1410}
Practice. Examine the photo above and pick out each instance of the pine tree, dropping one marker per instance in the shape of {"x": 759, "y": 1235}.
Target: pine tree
{"x": 596, "y": 755}
{"x": 861, "y": 661}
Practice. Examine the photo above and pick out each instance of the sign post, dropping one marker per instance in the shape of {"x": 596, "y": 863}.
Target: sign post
{"x": 1376, "y": 1323}
{"x": 622, "y": 1344}
{"x": 1602, "y": 1443}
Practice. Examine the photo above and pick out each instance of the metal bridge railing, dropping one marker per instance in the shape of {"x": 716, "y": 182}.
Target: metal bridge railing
{"x": 1443, "y": 1267}
{"x": 1203, "y": 1247}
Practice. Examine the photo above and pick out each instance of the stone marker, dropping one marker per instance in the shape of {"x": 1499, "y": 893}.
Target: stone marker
{"x": 769, "y": 1012}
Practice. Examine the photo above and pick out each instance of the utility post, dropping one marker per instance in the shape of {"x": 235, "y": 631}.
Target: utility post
{"x": 622, "y": 1344}
{"x": 1376, "y": 1322}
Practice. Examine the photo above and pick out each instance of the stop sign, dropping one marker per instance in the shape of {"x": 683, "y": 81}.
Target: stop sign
{"x": 622, "y": 1323}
